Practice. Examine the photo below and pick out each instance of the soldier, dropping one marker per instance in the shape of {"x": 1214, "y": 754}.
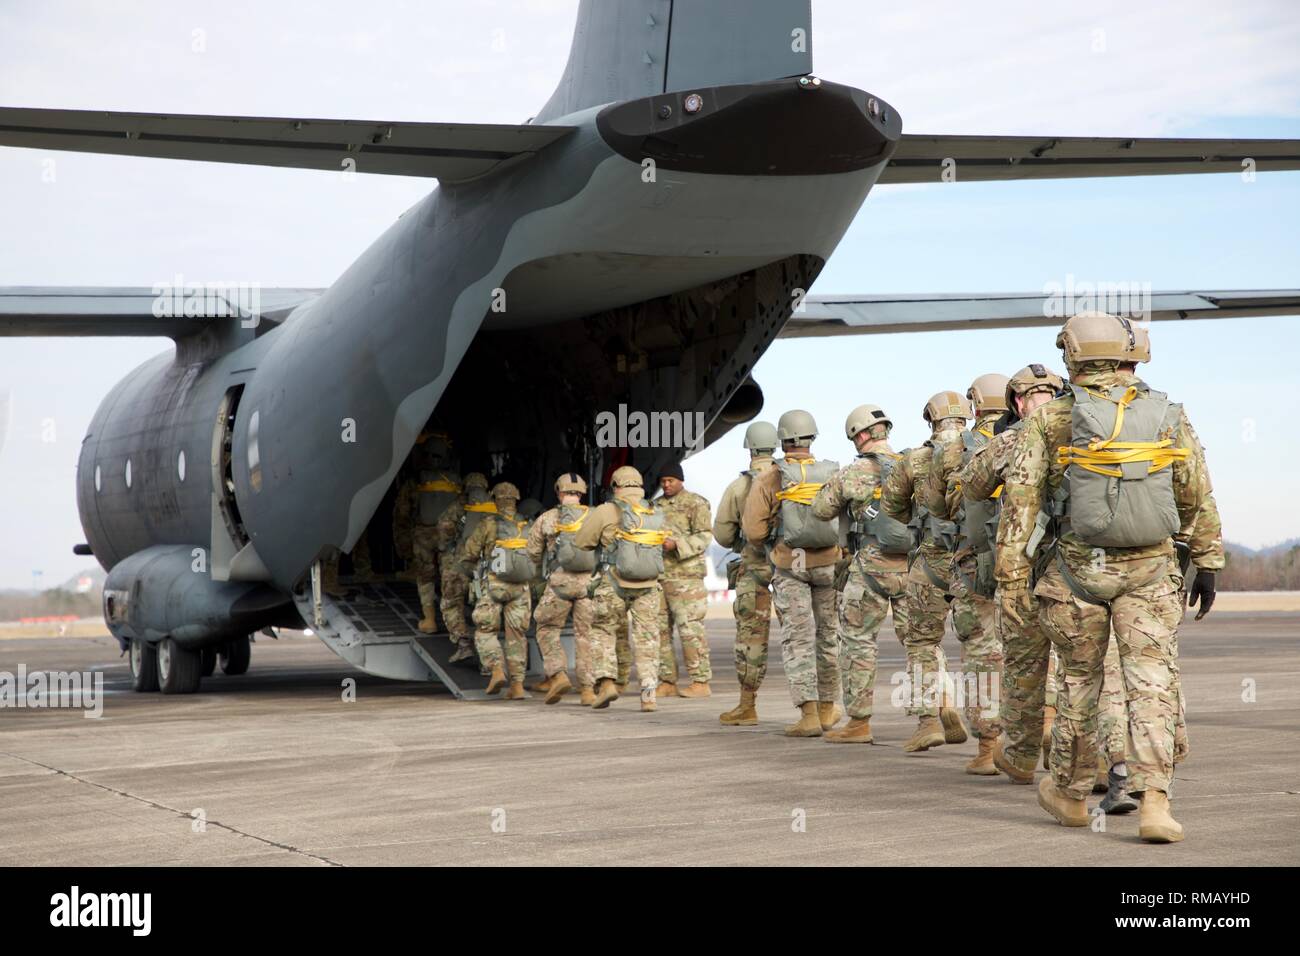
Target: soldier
{"x": 1025, "y": 648}
{"x": 630, "y": 535}
{"x": 688, "y": 520}
{"x": 1110, "y": 559}
{"x": 566, "y": 570}
{"x": 929, "y": 575}
{"x": 753, "y": 578}
{"x": 877, "y": 571}
{"x": 458, "y": 522}
{"x": 803, "y": 551}
{"x": 496, "y": 549}
{"x": 972, "y": 568}
{"x": 435, "y": 491}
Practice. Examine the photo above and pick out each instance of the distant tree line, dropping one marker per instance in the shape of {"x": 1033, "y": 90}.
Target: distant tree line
{"x": 49, "y": 603}
{"x": 1273, "y": 571}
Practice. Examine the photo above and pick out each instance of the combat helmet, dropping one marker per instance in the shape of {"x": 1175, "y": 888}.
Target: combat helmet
{"x": 1032, "y": 378}
{"x": 1100, "y": 337}
{"x": 946, "y": 405}
{"x": 761, "y": 436}
{"x": 570, "y": 483}
{"x": 504, "y": 489}
{"x": 989, "y": 393}
{"x": 796, "y": 425}
{"x": 626, "y": 477}
{"x": 476, "y": 479}
{"x": 863, "y": 417}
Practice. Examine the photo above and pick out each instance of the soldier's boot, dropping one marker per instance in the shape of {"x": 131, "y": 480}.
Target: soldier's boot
{"x": 954, "y": 731}
{"x": 588, "y": 696}
{"x": 928, "y": 733}
{"x": 648, "y": 704}
{"x": 809, "y": 723}
{"x": 856, "y": 731}
{"x": 828, "y": 713}
{"x": 464, "y": 651}
{"x": 1101, "y": 783}
{"x": 1049, "y": 718}
{"x": 496, "y": 679}
{"x": 606, "y": 693}
{"x": 1118, "y": 799}
{"x": 515, "y": 691}
{"x": 559, "y": 686}
{"x": 1069, "y": 812}
{"x": 982, "y": 765}
{"x": 695, "y": 689}
{"x": 1156, "y": 823}
{"x": 622, "y": 686}
{"x": 744, "y": 714}
{"x": 542, "y": 685}
{"x": 428, "y": 624}
{"x": 668, "y": 688}
{"x": 1014, "y": 773}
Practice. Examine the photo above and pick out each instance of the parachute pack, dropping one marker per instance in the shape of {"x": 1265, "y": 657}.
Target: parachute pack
{"x": 801, "y": 479}
{"x": 888, "y": 534}
{"x": 567, "y": 554}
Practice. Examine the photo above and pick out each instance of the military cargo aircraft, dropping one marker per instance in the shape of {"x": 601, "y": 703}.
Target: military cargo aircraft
{"x": 640, "y": 242}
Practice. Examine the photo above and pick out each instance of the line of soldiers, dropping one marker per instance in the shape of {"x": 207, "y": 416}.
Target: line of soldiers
{"x": 1069, "y": 512}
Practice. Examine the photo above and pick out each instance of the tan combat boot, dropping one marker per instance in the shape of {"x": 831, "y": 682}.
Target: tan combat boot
{"x": 542, "y": 685}
{"x": 1068, "y": 811}
{"x": 1014, "y": 773}
{"x": 606, "y": 693}
{"x": 828, "y": 713}
{"x": 696, "y": 688}
{"x": 1156, "y": 824}
{"x": 982, "y": 765}
{"x": 559, "y": 685}
{"x": 1049, "y": 718}
{"x": 622, "y": 686}
{"x": 809, "y": 723}
{"x": 648, "y": 704}
{"x": 928, "y": 733}
{"x": 515, "y": 691}
{"x": 587, "y": 696}
{"x": 744, "y": 714}
{"x": 427, "y": 623}
{"x": 856, "y": 731}
{"x": 954, "y": 731}
{"x": 667, "y": 689}
{"x": 1102, "y": 783}
{"x": 496, "y": 679}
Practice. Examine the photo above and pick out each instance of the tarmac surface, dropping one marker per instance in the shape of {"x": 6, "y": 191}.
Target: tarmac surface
{"x": 275, "y": 768}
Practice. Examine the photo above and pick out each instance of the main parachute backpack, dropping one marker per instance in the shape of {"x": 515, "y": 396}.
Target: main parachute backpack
{"x": 567, "y": 554}
{"x": 1121, "y": 486}
{"x": 801, "y": 479}
{"x": 639, "y": 542}
{"x": 890, "y": 535}
{"x": 510, "y": 561}
{"x": 438, "y": 490}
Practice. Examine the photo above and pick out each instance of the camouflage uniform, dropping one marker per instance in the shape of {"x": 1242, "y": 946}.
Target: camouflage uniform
{"x": 972, "y": 613}
{"x": 804, "y": 597}
{"x": 752, "y": 608}
{"x": 496, "y": 597}
{"x": 875, "y": 585}
{"x": 926, "y": 597}
{"x": 687, "y": 519}
{"x": 1141, "y": 585}
{"x": 455, "y": 580}
{"x": 565, "y": 590}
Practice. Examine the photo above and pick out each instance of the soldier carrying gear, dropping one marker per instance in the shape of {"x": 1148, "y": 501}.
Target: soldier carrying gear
{"x": 630, "y": 536}
{"x": 688, "y": 521}
{"x": 567, "y": 570}
{"x": 496, "y": 547}
{"x": 436, "y": 491}
{"x": 803, "y": 550}
{"x": 750, "y": 576}
{"x": 448, "y": 533}
{"x": 926, "y": 597}
{"x": 878, "y": 569}
{"x": 1086, "y": 458}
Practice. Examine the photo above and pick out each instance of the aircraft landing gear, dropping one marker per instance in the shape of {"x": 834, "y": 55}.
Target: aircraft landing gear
{"x": 178, "y": 669}
{"x": 144, "y": 665}
{"x": 235, "y": 656}
{"x": 208, "y": 661}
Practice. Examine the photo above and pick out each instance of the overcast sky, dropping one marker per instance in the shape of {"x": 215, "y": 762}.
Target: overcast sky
{"x": 1106, "y": 68}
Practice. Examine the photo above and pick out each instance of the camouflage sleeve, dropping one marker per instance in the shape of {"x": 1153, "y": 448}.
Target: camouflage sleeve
{"x": 979, "y": 479}
{"x": 1197, "y": 509}
{"x": 537, "y": 535}
{"x": 701, "y": 525}
{"x": 942, "y": 489}
{"x": 403, "y": 505}
{"x": 726, "y": 524}
{"x": 600, "y": 520}
{"x": 760, "y": 507}
{"x": 1022, "y": 497}
{"x": 473, "y": 549}
{"x": 896, "y": 494}
{"x": 447, "y": 530}
{"x": 830, "y": 498}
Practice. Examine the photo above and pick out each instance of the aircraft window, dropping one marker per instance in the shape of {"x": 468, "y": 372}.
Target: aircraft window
{"x": 97, "y": 479}
{"x": 128, "y": 472}
{"x": 180, "y": 465}
{"x": 254, "y": 455}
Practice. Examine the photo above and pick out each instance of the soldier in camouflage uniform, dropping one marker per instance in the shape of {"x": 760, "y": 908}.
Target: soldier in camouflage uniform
{"x": 689, "y": 519}
{"x": 929, "y": 574}
{"x": 803, "y": 577}
{"x": 878, "y": 571}
{"x": 448, "y": 532}
{"x": 433, "y": 492}
{"x": 497, "y": 597}
{"x": 972, "y": 569}
{"x": 1086, "y": 586}
{"x": 565, "y": 590}
{"x": 753, "y": 578}
{"x": 615, "y": 596}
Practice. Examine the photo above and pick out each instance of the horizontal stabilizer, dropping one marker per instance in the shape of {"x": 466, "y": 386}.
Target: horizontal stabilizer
{"x": 141, "y": 311}
{"x": 868, "y": 314}
{"x": 924, "y": 159}
{"x": 446, "y": 151}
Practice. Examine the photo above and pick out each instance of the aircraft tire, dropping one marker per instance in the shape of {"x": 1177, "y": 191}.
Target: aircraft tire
{"x": 179, "y": 670}
{"x": 235, "y": 657}
{"x": 143, "y": 658}
{"x": 208, "y": 657}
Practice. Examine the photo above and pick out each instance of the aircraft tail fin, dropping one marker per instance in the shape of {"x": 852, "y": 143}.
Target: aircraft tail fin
{"x": 628, "y": 49}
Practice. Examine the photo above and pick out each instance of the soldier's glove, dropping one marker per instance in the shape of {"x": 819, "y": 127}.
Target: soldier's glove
{"x": 1017, "y": 602}
{"x": 1202, "y": 590}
